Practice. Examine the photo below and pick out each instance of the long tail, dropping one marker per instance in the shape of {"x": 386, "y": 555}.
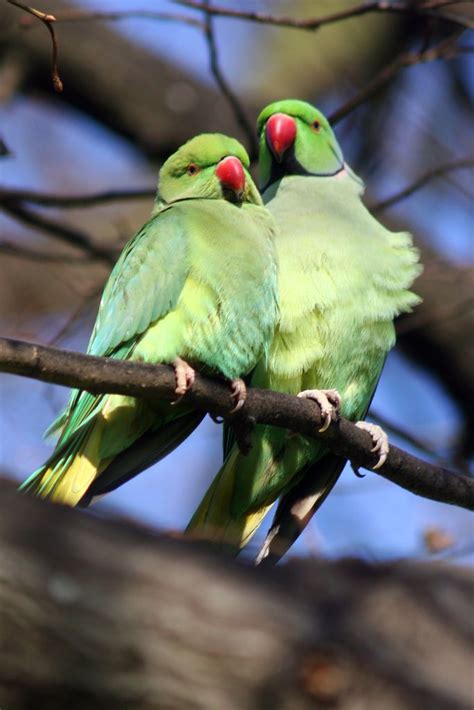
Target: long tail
{"x": 148, "y": 449}
{"x": 69, "y": 472}
{"x": 215, "y": 521}
{"x": 297, "y": 507}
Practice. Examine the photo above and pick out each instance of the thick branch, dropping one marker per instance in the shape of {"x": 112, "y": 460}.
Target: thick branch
{"x": 282, "y": 410}
{"x": 101, "y": 614}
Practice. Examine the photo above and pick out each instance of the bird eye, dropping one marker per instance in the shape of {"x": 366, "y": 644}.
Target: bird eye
{"x": 316, "y": 126}
{"x": 192, "y": 169}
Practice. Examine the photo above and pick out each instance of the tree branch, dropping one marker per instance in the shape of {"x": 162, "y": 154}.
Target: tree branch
{"x": 48, "y": 200}
{"x": 104, "y": 614}
{"x": 420, "y": 182}
{"x": 445, "y": 49}
{"x": 111, "y": 15}
{"x": 63, "y": 232}
{"x": 426, "y": 8}
{"x": 102, "y": 375}
{"x": 224, "y": 87}
{"x": 21, "y": 252}
{"x": 162, "y": 103}
{"x": 47, "y": 21}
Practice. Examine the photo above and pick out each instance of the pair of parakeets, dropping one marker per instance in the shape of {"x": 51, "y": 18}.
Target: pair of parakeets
{"x": 298, "y": 296}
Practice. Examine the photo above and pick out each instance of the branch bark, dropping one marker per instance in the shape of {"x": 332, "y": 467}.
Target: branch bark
{"x": 104, "y": 614}
{"x": 262, "y": 406}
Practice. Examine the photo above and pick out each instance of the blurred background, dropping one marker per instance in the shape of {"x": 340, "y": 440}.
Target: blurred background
{"x": 139, "y": 83}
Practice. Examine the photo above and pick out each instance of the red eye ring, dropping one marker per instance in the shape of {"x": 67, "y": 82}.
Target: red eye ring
{"x": 192, "y": 169}
{"x": 316, "y": 125}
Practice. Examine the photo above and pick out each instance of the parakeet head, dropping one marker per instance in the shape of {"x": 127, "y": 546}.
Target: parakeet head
{"x": 296, "y": 139}
{"x": 210, "y": 166}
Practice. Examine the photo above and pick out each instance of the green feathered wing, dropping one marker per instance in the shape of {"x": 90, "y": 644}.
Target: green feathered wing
{"x": 343, "y": 278}
{"x": 172, "y": 293}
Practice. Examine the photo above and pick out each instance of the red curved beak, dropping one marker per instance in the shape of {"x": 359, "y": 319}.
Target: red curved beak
{"x": 231, "y": 175}
{"x": 281, "y": 134}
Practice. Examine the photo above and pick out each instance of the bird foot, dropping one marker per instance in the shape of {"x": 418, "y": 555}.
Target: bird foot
{"x": 328, "y": 401}
{"x": 184, "y": 376}
{"x": 238, "y": 390}
{"x": 379, "y": 440}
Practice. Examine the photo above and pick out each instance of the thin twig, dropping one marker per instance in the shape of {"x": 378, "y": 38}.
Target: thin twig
{"x": 65, "y": 233}
{"x": 157, "y": 382}
{"x": 422, "y": 181}
{"x": 48, "y": 200}
{"x": 226, "y": 91}
{"x": 75, "y": 315}
{"x": 445, "y": 49}
{"x": 314, "y": 23}
{"x": 91, "y": 15}
{"x": 4, "y": 149}
{"x": 21, "y": 252}
{"x": 47, "y": 20}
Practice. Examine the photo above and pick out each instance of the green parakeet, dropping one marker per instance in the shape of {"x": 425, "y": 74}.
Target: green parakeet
{"x": 195, "y": 287}
{"x": 343, "y": 277}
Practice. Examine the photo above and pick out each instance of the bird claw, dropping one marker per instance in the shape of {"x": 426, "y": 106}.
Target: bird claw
{"x": 184, "y": 376}
{"x": 328, "y": 401}
{"x": 238, "y": 390}
{"x": 379, "y": 440}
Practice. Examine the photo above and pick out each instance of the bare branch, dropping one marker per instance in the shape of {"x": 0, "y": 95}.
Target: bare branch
{"x": 163, "y": 101}
{"x": 75, "y": 315}
{"x": 446, "y": 49}
{"x": 428, "y": 8}
{"x": 47, "y": 21}
{"x": 232, "y": 99}
{"x": 105, "y": 375}
{"x": 66, "y": 234}
{"x": 48, "y": 200}
{"x": 111, "y": 15}
{"x": 423, "y": 180}
{"x": 22, "y": 252}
